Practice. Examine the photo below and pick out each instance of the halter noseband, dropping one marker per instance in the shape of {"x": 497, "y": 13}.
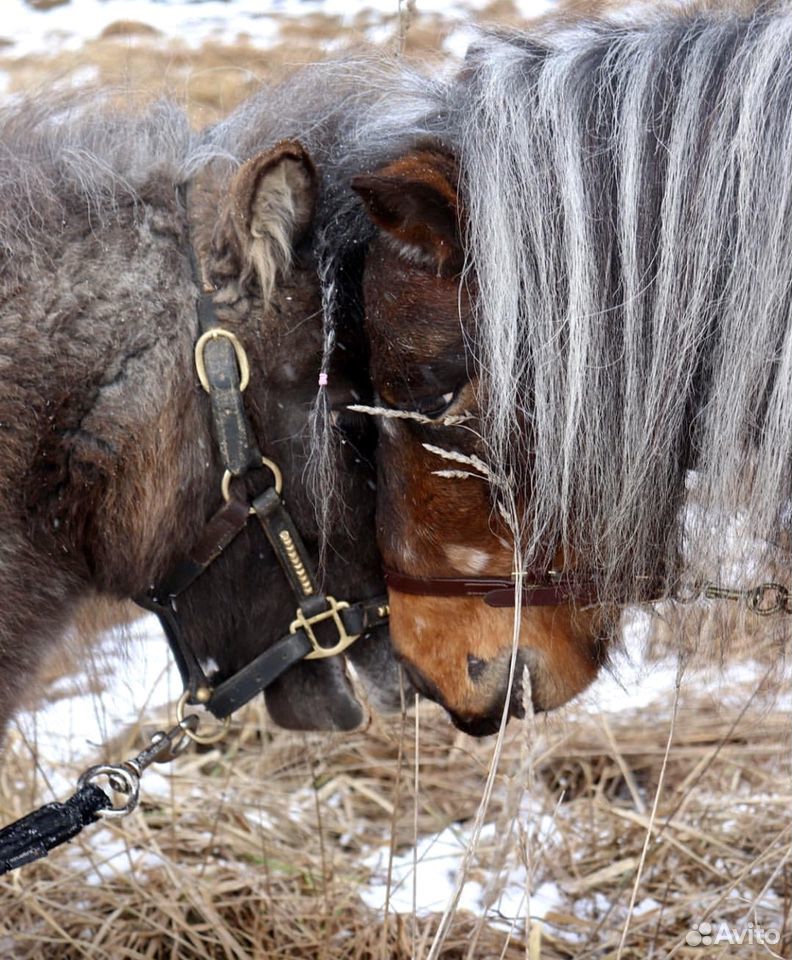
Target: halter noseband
{"x": 224, "y": 372}
{"x": 540, "y": 588}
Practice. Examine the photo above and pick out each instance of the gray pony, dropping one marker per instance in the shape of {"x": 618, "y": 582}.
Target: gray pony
{"x": 108, "y": 466}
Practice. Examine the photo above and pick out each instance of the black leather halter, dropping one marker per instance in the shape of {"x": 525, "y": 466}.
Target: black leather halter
{"x": 223, "y": 370}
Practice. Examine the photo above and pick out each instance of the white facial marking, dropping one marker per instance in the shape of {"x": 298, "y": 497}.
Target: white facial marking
{"x": 467, "y": 559}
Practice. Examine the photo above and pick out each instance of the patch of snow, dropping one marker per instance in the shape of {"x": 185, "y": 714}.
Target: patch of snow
{"x": 86, "y": 74}
{"x": 259, "y": 818}
{"x": 108, "y": 856}
{"x": 458, "y": 41}
{"x": 67, "y": 26}
{"x": 630, "y": 685}
{"x": 530, "y": 9}
{"x": 424, "y": 879}
{"x": 647, "y": 905}
{"x": 514, "y": 904}
{"x": 379, "y": 34}
{"x": 137, "y": 675}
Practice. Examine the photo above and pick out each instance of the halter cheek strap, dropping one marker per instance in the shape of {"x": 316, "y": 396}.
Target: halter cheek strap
{"x": 323, "y": 626}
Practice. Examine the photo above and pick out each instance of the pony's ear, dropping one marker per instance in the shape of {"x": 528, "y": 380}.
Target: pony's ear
{"x": 415, "y": 201}
{"x": 272, "y": 202}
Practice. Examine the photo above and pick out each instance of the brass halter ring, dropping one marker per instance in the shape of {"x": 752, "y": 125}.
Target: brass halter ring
{"x": 225, "y": 483}
{"x": 239, "y": 350}
{"x": 204, "y": 738}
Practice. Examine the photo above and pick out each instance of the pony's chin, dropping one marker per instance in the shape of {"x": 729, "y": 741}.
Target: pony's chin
{"x": 485, "y": 726}
{"x": 315, "y": 695}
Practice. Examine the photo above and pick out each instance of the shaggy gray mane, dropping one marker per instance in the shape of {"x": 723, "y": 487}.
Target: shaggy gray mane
{"x": 76, "y": 156}
{"x": 629, "y": 189}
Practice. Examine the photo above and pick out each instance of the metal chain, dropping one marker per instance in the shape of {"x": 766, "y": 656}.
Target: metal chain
{"x": 764, "y": 600}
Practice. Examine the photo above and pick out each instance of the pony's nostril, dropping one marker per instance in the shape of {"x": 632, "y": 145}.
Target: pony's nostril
{"x": 475, "y": 667}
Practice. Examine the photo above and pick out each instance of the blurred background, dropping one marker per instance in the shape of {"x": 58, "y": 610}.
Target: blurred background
{"x": 211, "y": 53}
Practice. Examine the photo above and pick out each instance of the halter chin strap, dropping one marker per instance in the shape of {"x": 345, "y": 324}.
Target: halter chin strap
{"x": 323, "y": 626}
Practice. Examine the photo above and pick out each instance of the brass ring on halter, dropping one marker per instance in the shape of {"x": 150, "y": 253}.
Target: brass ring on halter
{"x": 225, "y": 483}
{"x": 194, "y": 735}
{"x": 239, "y": 350}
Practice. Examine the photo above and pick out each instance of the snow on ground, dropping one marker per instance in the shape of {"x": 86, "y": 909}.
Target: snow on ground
{"x": 136, "y": 676}
{"x": 68, "y": 26}
{"x": 35, "y": 31}
{"x": 424, "y": 879}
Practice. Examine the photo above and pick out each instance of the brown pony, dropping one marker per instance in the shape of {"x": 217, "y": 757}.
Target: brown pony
{"x": 559, "y": 296}
{"x": 439, "y": 516}
{"x": 109, "y": 469}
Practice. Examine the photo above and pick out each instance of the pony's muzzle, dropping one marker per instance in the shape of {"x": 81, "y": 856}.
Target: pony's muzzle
{"x": 511, "y": 701}
{"x": 481, "y": 712}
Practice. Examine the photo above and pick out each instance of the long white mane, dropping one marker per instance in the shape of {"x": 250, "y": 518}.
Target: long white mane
{"x": 629, "y": 189}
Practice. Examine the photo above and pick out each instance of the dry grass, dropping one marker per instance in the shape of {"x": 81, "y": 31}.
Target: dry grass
{"x": 261, "y": 847}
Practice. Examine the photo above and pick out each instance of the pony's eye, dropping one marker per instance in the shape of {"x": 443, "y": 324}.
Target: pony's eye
{"x": 435, "y": 407}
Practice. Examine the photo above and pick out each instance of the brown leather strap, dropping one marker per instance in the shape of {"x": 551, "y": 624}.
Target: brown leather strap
{"x": 580, "y": 592}
{"x": 540, "y": 589}
{"x": 446, "y": 586}
{"x": 285, "y": 540}
{"x": 229, "y": 420}
{"x": 219, "y": 531}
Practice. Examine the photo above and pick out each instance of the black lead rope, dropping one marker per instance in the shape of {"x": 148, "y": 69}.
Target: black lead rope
{"x": 32, "y": 837}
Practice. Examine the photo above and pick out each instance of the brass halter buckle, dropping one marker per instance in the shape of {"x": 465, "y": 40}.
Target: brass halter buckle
{"x": 332, "y": 613}
{"x": 217, "y": 333}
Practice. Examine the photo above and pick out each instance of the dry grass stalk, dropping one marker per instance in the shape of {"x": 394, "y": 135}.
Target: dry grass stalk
{"x": 262, "y": 847}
